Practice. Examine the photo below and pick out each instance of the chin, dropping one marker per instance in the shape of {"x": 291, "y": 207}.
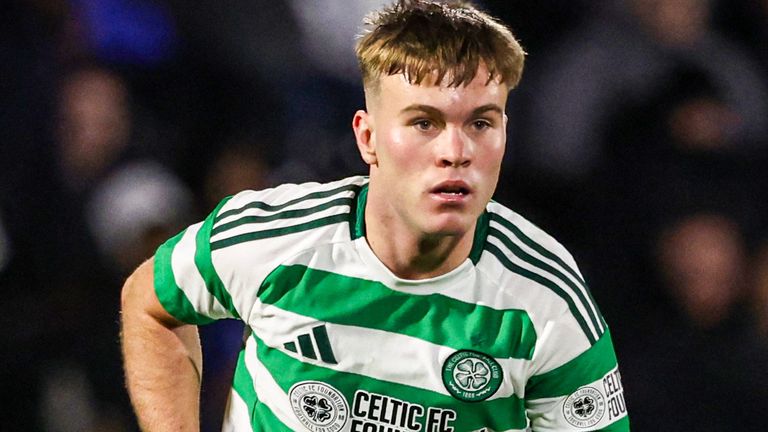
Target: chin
{"x": 450, "y": 226}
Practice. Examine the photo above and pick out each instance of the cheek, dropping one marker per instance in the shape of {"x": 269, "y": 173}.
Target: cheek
{"x": 492, "y": 155}
{"x": 402, "y": 150}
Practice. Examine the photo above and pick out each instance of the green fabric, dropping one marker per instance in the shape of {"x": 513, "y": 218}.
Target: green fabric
{"x": 275, "y": 232}
{"x": 481, "y": 233}
{"x": 535, "y": 246}
{"x": 622, "y": 425}
{"x": 588, "y": 367}
{"x": 521, "y": 254}
{"x": 357, "y": 226}
{"x": 270, "y": 207}
{"x": 170, "y": 295}
{"x": 289, "y": 214}
{"x": 498, "y": 414}
{"x": 541, "y": 280}
{"x": 204, "y": 263}
{"x": 261, "y": 417}
{"x": 435, "y": 318}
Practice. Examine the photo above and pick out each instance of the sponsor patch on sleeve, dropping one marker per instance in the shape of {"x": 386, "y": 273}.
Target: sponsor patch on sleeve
{"x": 596, "y": 404}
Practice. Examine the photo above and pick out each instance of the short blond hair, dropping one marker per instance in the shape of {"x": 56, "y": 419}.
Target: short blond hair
{"x": 421, "y": 38}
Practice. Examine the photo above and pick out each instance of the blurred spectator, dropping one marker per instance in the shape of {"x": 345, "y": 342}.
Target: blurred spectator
{"x": 287, "y": 60}
{"x": 101, "y": 170}
{"x": 328, "y": 29}
{"x": 94, "y": 125}
{"x": 667, "y": 155}
{"x": 135, "y": 209}
{"x": 618, "y": 58}
{"x": 235, "y": 63}
{"x": 241, "y": 164}
{"x": 319, "y": 144}
{"x": 695, "y": 362}
{"x": 703, "y": 261}
{"x": 675, "y": 150}
{"x": 674, "y": 201}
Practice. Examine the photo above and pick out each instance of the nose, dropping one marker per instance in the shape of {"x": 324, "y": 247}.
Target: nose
{"x": 454, "y": 148}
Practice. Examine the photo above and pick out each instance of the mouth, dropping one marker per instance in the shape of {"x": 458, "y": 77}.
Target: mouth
{"x": 452, "y": 190}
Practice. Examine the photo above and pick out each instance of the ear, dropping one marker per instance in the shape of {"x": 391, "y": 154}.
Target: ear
{"x": 362, "y": 124}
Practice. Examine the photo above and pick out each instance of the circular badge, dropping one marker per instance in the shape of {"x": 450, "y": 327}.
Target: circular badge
{"x": 318, "y": 406}
{"x": 584, "y": 407}
{"x": 471, "y": 376}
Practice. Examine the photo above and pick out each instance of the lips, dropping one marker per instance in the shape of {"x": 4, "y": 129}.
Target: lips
{"x": 452, "y": 190}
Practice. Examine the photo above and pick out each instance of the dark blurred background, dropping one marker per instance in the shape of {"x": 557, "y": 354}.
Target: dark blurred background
{"x": 638, "y": 137}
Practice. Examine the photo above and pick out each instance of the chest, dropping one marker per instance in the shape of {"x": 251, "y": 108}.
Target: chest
{"x": 389, "y": 358}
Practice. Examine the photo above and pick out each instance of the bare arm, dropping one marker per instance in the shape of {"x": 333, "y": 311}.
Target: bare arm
{"x": 162, "y": 358}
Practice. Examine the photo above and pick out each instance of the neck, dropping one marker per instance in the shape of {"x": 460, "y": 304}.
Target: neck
{"x": 414, "y": 255}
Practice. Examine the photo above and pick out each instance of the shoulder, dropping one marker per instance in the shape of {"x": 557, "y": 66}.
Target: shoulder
{"x": 515, "y": 233}
{"x": 279, "y": 212}
{"x": 541, "y": 274}
{"x": 290, "y": 195}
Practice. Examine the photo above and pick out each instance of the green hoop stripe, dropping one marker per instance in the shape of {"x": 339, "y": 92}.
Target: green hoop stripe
{"x": 287, "y": 371}
{"x": 589, "y": 366}
{"x": 369, "y": 304}
{"x": 261, "y": 417}
{"x": 276, "y": 232}
{"x": 270, "y": 207}
{"x": 621, "y": 425}
{"x": 495, "y": 251}
{"x": 204, "y": 263}
{"x": 520, "y": 253}
{"x": 170, "y": 295}
{"x": 289, "y": 214}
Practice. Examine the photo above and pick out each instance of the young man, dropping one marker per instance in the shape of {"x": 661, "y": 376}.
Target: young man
{"x": 405, "y": 301}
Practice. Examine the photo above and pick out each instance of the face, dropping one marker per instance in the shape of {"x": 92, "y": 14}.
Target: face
{"x": 94, "y": 122}
{"x": 434, "y": 152}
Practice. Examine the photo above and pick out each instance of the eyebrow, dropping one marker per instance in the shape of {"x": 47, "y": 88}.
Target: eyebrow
{"x": 437, "y": 113}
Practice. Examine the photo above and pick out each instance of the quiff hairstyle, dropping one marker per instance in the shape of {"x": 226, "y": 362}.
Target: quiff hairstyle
{"x": 419, "y": 38}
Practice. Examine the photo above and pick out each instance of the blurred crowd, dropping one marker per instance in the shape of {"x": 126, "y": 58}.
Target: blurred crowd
{"x": 638, "y": 137}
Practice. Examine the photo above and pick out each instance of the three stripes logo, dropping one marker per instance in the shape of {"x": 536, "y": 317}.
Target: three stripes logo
{"x": 309, "y": 345}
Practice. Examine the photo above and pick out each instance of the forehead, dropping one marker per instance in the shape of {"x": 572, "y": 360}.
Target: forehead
{"x": 395, "y": 90}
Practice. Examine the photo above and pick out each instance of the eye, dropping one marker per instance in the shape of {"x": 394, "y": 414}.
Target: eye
{"x": 481, "y": 124}
{"x": 423, "y": 125}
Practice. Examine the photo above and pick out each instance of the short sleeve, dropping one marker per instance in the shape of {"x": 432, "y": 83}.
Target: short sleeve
{"x": 584, "y": 394}
{"x": 186, "y": 282}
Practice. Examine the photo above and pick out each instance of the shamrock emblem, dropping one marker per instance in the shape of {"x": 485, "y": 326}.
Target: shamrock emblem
{"x": 472, "y": 374}
{"x": 318, "y": 409}
{"x": 583, "y": 407}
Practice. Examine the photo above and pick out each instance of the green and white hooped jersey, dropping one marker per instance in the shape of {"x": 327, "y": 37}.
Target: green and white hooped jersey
{"x": 510, "y": 339}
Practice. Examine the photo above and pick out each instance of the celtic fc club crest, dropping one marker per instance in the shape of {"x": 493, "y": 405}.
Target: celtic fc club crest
{"x": 471, "y": 376}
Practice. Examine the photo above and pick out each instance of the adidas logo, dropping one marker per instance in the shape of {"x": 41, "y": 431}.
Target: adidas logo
{"x": 309, "y": 344}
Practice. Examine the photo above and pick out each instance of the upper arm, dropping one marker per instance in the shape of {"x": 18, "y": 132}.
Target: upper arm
{"x": 185, "y": 281}
{"x": 138, "y": 295}
{"x": 584, "y": 393}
